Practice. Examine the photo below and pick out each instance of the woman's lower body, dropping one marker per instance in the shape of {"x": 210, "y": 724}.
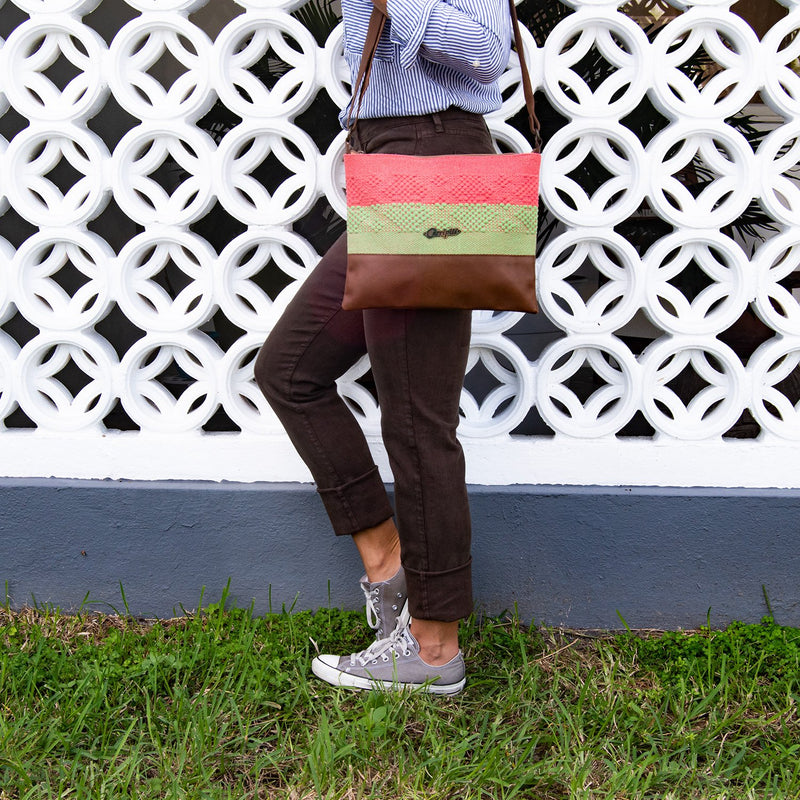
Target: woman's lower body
{"x": 418, "y": 358}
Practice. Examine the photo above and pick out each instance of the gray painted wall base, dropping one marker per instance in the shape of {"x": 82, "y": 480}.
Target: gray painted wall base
{"x": 573, "y": 556}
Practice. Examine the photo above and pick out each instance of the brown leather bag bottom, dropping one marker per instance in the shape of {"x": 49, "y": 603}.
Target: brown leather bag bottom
{"x": 501, "y": 283}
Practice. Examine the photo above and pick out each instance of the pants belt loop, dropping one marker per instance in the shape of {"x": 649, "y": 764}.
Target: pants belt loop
{"x": 437, "y": 123}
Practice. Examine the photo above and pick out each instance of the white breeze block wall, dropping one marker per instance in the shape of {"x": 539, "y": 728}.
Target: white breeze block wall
{"x": 594, "y": 285}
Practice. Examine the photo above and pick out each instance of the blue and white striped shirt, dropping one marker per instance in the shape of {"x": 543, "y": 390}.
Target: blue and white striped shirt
{"x": 433, "y": 54}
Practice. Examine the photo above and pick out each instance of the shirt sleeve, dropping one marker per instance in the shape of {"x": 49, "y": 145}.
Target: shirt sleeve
{"x": 473, "y": 37}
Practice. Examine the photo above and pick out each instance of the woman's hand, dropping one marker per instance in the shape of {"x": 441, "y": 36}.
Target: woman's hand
{"x": 472, "y": 37}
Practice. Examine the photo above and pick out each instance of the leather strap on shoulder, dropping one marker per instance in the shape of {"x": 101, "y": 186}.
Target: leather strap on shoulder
{"x": 527, "y": 89}
{"x": 377, "y": 22}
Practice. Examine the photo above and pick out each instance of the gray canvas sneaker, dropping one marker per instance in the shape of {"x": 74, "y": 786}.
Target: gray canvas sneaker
{"x": 391, "y": 663}
{"x": 386, "y": 600}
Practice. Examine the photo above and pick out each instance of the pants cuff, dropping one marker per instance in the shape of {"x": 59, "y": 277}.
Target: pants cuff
{"x": 358, "y": 504}
{"x": 442, "y": 596}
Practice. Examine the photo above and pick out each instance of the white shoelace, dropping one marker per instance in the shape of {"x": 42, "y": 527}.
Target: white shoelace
{"x": 399, "y": 640}
{"x": 372, "y": 607}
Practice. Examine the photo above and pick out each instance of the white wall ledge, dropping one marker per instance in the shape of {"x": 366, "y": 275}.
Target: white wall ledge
{"x": 491, "y": 462}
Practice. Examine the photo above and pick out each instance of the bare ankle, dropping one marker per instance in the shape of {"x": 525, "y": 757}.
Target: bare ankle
{"x": 438, "y": 641}
{"x": 383, "y": 564}
{"x": 379, "y": 548}
{"x": 437, "y": 656}
{"x": 383, "y": 570}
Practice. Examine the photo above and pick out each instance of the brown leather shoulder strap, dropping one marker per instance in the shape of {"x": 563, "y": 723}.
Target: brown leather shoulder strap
{"x": 377, "y": 22}
{"x": 527, "y": 89}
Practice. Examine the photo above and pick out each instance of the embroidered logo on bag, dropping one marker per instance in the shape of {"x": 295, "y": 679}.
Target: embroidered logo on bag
{"x": 435, "y": 233}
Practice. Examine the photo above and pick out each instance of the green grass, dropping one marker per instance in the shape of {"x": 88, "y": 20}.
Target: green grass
{"x": 221, "y": 704}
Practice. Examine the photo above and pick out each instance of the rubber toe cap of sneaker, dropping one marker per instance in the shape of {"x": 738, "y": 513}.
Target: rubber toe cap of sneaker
{"x": 328, "y": 660}
{"x": 327, "y": 667}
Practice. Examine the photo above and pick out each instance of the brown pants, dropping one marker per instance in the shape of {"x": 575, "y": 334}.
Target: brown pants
{"x": 418, "y": 359}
